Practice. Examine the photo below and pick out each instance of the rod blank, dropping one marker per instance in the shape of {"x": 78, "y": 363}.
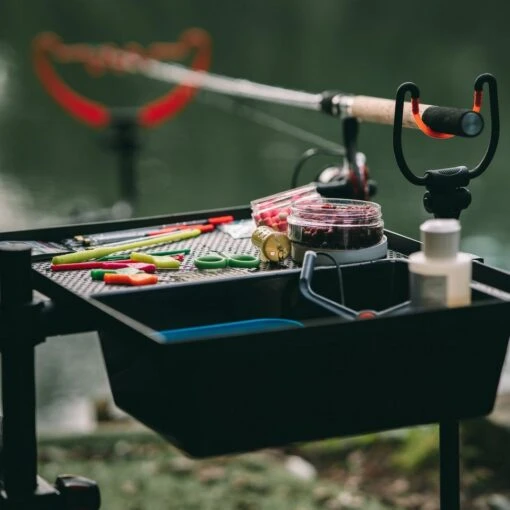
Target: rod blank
{"x": 176, "y": 73}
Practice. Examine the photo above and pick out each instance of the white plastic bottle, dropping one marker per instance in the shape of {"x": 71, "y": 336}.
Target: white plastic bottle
{"x": 440, "y": 275}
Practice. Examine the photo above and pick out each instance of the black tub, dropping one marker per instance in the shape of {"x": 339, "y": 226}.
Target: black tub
{"x": 330, "y": 378}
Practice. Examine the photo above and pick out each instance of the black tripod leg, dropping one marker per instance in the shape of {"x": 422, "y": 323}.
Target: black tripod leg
{"x": 449, "y": 474}
{"x": 19, "y": 455}
{"x": 20, "y": 331}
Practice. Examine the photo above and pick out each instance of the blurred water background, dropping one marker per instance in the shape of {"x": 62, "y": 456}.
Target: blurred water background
{"x": 207, "y": 157}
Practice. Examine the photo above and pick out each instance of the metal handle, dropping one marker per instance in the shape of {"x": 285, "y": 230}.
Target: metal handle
{"x": 305, "y": 281}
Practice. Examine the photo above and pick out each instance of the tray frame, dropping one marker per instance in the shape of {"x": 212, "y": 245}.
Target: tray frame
{"x": 59, "y": 311}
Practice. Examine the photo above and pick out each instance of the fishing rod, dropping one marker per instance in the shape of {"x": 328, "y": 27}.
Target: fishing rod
{"x": 433, "y": 120}
{"x": 351, "y": 178}
{"x": 48, "y": 47}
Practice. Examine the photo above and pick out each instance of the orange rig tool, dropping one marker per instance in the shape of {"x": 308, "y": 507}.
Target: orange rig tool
{"x": 130, "y": 279}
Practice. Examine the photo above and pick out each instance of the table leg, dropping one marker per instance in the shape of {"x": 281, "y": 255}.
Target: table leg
{"x": 449, "y": 474}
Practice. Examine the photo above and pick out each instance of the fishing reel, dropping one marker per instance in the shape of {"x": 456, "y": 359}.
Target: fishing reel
{"x": 348, "y": 179}
{"x": 447, "y": 193}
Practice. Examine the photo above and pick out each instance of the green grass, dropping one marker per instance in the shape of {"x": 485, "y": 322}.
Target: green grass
{"x": 140, "y": 471}
{"x": 143, "y": 473}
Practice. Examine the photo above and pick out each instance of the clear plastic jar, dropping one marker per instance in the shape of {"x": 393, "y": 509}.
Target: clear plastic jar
{"x": 272, "y": 211}
{"x": 335, "y": 224}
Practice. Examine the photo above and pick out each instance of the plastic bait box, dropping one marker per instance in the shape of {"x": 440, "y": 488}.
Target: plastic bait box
{"x": 272, "y": 211}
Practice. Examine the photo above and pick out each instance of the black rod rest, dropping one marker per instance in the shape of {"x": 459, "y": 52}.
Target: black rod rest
{"x": 447, "y": 194}
{"x": 125, "y": 140}
{"x": 20, "y": 332}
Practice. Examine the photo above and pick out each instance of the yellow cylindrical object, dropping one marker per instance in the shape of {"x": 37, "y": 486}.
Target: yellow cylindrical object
{"x": 161, "y": 261}
{"x": 274, "y": 246}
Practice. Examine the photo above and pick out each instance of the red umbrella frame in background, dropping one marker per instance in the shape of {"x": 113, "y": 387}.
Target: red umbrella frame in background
{"x": 49, "y": 48}
{"x": 193, "y": 46}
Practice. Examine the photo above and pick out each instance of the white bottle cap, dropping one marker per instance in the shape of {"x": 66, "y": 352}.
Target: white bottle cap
{"x": 440, "y": 238}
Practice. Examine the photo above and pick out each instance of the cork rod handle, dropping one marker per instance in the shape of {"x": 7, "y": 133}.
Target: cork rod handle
{"x": 382, "y": 111}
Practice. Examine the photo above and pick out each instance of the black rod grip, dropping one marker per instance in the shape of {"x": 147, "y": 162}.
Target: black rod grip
{"x": 454, "y": 121}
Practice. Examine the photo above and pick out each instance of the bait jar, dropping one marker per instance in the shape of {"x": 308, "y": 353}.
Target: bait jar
{"x": 347, "y": 230}
{"x": 272, "y": 211}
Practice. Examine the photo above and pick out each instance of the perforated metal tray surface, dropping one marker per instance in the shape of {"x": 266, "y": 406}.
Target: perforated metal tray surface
{"x": 80, "y": 282}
